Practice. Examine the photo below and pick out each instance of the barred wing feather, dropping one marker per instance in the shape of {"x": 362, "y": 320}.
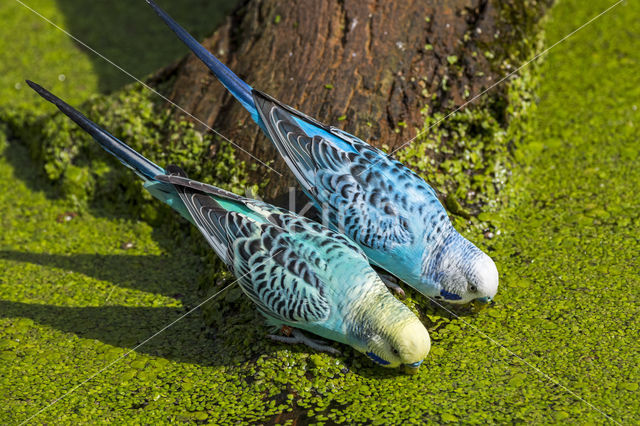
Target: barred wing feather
{"x": 358, "y": 198}
{"x": 262, "y": 256}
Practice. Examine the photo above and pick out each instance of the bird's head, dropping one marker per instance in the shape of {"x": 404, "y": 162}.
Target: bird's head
{"x": 460, "y": 272}
{"x": 394, "y": 338}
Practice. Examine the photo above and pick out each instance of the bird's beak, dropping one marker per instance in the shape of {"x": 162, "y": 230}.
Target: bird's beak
{"x": 481, "y": 302}
{"x": 412, "y": 368}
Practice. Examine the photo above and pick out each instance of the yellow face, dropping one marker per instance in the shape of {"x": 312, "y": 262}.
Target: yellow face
{"x": 406, "y": 343}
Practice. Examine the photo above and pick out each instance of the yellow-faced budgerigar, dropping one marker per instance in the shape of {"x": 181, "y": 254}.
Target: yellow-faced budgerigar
{"x": 299, "y": 273}
{"x": 387, "y": 209}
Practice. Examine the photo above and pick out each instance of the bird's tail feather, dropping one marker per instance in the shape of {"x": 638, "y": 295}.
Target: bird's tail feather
{"x": 238, "y": 88}
{"x": 143, "y": 167}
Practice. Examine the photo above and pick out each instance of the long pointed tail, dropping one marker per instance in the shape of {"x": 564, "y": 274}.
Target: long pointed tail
{"x": 238, "y": 88}
{"x": 143, "y": 167}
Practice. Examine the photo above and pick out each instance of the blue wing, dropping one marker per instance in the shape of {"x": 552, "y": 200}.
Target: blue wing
{"x": 365, "y": 193}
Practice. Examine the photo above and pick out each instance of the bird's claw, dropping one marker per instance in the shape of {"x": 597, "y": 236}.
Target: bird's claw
{"x": 298, "y": 337}
{"x": 391, "y": 283}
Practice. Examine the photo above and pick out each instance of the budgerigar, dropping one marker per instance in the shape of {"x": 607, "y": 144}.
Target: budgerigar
{"x": 387, "y": 209}
{"x": 299, "y": 273}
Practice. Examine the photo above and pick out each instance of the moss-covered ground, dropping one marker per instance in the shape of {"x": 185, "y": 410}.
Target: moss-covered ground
{"x": 79, "y": 291}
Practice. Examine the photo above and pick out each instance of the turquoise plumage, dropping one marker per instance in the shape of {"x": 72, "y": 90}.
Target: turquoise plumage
{"x": 298, "y": 273}
{"x": 387, "y": 209}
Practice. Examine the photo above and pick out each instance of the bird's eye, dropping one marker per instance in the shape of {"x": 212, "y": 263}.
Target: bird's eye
{"x": 473, "y": 288}
{"x": 395, "y": 351}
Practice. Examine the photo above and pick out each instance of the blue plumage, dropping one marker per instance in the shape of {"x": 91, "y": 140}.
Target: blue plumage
{"x": 298, "y": 273}
{"x": 387, "y": 209}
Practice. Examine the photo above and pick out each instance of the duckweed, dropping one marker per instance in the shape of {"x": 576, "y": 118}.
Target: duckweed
{"x": 566, "y": 245}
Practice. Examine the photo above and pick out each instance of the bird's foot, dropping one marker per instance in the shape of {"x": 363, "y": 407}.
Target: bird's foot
{"x": 298, "y": 337}
{"x": 392, "y": 283}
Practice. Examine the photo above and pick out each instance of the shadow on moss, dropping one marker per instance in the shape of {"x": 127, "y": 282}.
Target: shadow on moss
{"x": 130, "y": 34}
{"x": 138, "y": 272}
{"x": 241, "y": 341}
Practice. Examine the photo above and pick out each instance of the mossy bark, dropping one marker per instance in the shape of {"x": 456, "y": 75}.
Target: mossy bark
{"x": 369, "y": 67}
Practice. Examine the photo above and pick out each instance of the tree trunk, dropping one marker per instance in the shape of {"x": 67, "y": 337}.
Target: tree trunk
{"x": 366, "y": 66}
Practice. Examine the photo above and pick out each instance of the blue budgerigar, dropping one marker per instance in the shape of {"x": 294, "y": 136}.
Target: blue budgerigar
{"x": 299, "y": 273}
{"x": 387, "y": 209}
